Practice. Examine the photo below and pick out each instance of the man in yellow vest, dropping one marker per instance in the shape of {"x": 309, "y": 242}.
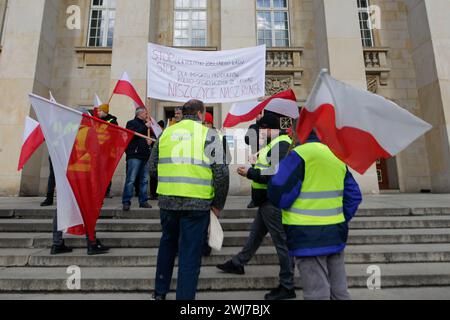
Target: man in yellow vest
{"x": 319, "y": 196}
{"x": 268, "y": 218}
{"x": 193, "y": 180}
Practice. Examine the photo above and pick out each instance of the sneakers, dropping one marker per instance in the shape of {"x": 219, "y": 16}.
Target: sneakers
{"x": 230, "y": 267}
{"x": 60, "y": 249}
{"x": 145, "y": 205}
{"x": 251, "y": 205}
{"x": 281, "y": 293}
{"x": 126, "y": 207}
{"x": 96, "y": 248}
{"x": 47, "y": 202}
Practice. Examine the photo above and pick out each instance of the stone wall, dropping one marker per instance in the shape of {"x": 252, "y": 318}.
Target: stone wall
{"x": 412, "y": 164}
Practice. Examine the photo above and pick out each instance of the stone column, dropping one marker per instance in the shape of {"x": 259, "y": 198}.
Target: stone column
{"x": 339, "y": 49}
{"x": 238, "y": 20}
{"x": 429, "y": 29}
{"x": 129, "y": 53}
{"x": 26, "y": 63}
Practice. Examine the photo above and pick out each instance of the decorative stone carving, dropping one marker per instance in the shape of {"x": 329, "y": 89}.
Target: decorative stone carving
{"x": 284, "y": 62}
{"x": 276, "y": 84}
{"x": 376, "y": 61}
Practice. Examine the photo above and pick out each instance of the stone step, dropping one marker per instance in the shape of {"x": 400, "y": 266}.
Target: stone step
{"x": 265, "y": 256}
{"x": 235, "y": 213}
{"x": 153, "y": 225}
{"x": 22, "y": 280}
{"x": 412, "y": 294}
{"x": 232, "y": 238}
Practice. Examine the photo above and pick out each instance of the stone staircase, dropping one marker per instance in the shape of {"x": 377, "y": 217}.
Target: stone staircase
{"x": 411, "y": 246}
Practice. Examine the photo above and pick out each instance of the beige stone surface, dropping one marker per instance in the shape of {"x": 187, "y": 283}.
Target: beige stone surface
{"x": 39, "y": 53}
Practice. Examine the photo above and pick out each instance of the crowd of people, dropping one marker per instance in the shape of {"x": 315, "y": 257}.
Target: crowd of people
{"x": 304, "y": 195}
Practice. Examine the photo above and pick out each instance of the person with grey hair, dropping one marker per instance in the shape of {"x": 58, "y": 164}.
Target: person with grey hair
{"x": 138, "y": 153}
{"x": 190, "y": 163}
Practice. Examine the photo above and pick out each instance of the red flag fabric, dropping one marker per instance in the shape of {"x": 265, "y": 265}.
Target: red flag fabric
{"x": 85, "y": 152}
{"x": 33, "y": 138}
{"x": 284, "y": 103}
{"x": 358, "y": 126}
{"x": 125, "y": 87}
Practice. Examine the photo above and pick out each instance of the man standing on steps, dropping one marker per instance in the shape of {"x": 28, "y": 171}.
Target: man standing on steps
{"x": 319, "y": 196}
{"x": 138, "y": 153}
{"x": 268, "y": 218}
{"x": 193, "y": 180}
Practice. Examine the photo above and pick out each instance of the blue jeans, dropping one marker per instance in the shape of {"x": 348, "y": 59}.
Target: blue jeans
{"x": 136, "y": 168}
{"x": 184, "y": 232}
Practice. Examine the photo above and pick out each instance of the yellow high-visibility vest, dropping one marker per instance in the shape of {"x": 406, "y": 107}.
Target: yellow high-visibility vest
{"x": 183, "y": 168}
{"x": 263, "y": 162}
{"x": 320, "y": 202}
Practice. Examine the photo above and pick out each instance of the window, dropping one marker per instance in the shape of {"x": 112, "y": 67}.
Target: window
{"x": 365, "y": 23}
{"x": 190, "y": 29}
{"x": 3, "y": 4}
{"x": 101, "y": 26}
{"x": 273, "y": 22}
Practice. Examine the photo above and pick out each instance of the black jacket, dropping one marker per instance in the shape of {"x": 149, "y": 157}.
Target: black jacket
{"x": 279, "y": 152}
{"x": 252, "y": 138}
{"x": 138, "y": 148}
{"x": 111, "y": 119}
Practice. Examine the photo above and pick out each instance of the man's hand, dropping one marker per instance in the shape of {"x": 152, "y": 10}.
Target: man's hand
{"x": 216, "y": 211}
{"x": 243, "y": 171}
{"x": 252, "y": 159}
{"x": 148, "y": 124}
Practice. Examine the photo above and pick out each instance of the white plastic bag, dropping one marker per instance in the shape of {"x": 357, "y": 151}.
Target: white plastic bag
{"x": 215, "y": 233}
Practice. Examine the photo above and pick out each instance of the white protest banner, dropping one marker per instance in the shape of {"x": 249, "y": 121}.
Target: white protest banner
{"x": 213, "y": 77}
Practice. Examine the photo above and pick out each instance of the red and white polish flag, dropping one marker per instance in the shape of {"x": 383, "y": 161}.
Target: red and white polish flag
{"x": 33, "y": 138}
{"x": 126, "y": 88}
{"x": 284, "y": 103}
{"x": 358, "y": 126}
{"x": 85, "y": 152}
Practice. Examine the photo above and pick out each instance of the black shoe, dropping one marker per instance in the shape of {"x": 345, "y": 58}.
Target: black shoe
{"x": 47, "y": 202}
{"x": 281, "y": 293}
{"x": 251, "y": 205}
{"x": 126, "y": 207}
{"x": 145, "y": 206}
{"x": 60, "y": 249}
{"x": 95, "y": 248}
{"x": 158, "y": 297}
{"x": 230, "y": 267}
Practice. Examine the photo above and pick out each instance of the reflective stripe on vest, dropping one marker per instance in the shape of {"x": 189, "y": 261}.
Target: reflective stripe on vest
{"x": 320, "y": 202}
{"x": 263, "y": 162}
{"x": 183, "y": 168}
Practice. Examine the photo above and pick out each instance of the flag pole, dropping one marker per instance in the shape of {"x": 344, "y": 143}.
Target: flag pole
{"x": 148, "y": 102}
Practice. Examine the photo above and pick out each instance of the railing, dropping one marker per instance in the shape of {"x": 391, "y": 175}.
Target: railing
{"x": 376, "y": 61}
{"x": 284, "y": 60}
{"x": 283, "y": 68}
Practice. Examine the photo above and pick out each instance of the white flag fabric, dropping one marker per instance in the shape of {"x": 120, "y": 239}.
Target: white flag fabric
{"x": 213, "y": 77}
{"x": 97, "y": 101}
{"x": 60, "y": 128}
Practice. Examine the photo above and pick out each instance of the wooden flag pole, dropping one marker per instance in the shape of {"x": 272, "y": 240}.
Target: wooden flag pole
{"x": 149, "y": 118}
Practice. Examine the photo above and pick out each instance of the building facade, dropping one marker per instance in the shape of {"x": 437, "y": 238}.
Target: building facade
{"x": 79, "y": 48}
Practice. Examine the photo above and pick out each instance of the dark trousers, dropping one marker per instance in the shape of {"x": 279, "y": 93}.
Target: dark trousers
{"x": 268, "y": 219}
{"x": 51, "y": 184}
{"x": 153, "y": 186}
{"x": 184, "y": 232}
